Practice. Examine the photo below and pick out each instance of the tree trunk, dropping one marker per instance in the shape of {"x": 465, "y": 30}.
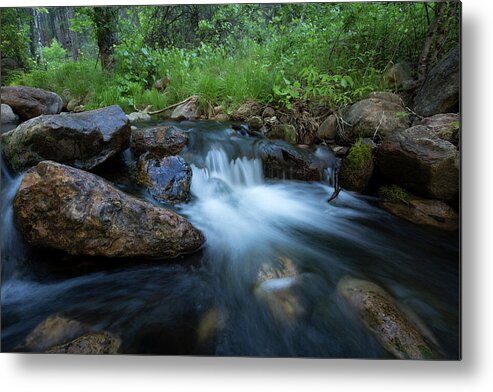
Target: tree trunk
{"x": 105, "y": 20}
{"x": 38, "y": 30}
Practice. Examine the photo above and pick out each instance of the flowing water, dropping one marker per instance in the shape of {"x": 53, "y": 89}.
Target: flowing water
{"x": 213, "y": 302}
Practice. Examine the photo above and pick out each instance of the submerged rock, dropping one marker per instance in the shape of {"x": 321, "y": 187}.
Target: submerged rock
{"x": 382, "y": 316}
{"x": 163, "y": 140}
{"x": 418, "y": 160}
{"x": 53, "y": 331}
{"x": 29, "y": 102}
{"x": 440, "y": 92}
{"x": 168, "y": 179}
{"x": 373, "y": 116}
{"x": 282, "y": 160}
{"x": 64, "y": 208}
{"x": 7, "y": 116}
{"x": 93, "y": 343}
{"x": 82, "y": 140}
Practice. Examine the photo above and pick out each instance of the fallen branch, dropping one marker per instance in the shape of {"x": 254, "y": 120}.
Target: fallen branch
{"x": 337, "y": 188}
{"x": 170, "y": 106}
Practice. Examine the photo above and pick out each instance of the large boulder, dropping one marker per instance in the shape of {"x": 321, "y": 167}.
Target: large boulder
{"x": 29, "y": 102}
{"x": 379, "y": 116}
{"x": 188, "y": 110}
{"x": 65, "y": 208}
{"x": 446, "y": 126}
{"x": 440, "y": 92}
{"x": 82, "y": 140}
{"x": 283, "y": 160}
{"x": 357, "y": 168}
{"x": 168, "y": 179}
{"x": 417, "y": 159}
{"x": 7, "y": 115}
{"x": 163, "y": 140}
{"x": 400, "y": 333}
{"x": 92, "y": 343}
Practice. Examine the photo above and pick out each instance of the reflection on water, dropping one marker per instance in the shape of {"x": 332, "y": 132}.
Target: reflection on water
{"x": 219, "y": 305}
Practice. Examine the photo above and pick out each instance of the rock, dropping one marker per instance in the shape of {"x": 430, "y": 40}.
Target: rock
{"x": 64, "y": 208}
{"x": 282, "y": 160}
{"x": 427, "y": 212}
{"x": 246, "y": 110}
{"x": 340, "y": 151}
{"x": 373, "y": 116}
{"x": 188, "y": 110}
{"x": 386, "y": 96}
{"x": 268, "y": 112}
{"x": 138, "y": 116}
{"x": 440, "y": 90}
{"x": 383, "y": 317}
{"x": 29, "y": 102}
{"x": 398, "y": 75}
{"x": 255, "y": 123}
{"x": 168, "y": 179}
{"x": 93, "y": 343}
{"x": 79, "y": 109}
{"x": 446, "y": 126}
{"x": 72, "y": 104}
{"x": 164, "y": 140}
{"x": 284, "y": 132}
{"x": 357, "y": 168}
{"x": 83, "y": 140}
{"x": 417, "y": 159}
{"x": 328, "y": 129}
{"x": 7, "y": 115}
{"x": 277, "y": 287}
{"x": 218, "y": 109}
{"x": 221, "y": 117}
{"x": 53, "y": 331}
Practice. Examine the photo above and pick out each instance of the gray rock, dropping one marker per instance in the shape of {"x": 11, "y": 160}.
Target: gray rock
{"x": 138, "y": 116}
{"x": 440, "y": 90}
{"x": 83, "y": 140}
{"x": 417, "y": 159}
{"x": 29, "y": 102}
{"x": 7, "y": 115}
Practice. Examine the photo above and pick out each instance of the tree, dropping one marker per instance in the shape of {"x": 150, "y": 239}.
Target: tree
{"x": 105, "y": 21}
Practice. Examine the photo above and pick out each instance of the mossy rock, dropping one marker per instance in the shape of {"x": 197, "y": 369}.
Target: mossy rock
{"x": 357, "y": 167}
{"x": 284, "y": 132}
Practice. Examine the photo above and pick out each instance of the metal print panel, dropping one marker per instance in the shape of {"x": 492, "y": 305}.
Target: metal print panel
{"x": 264, "y": 180}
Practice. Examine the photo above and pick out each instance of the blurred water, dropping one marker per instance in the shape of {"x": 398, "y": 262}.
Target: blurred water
{"x": 213, "y": 303}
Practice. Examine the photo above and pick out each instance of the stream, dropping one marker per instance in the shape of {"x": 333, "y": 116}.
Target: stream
{"x": 207, "y": 303}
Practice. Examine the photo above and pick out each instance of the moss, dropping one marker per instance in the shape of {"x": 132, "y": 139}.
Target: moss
{"x": 357, "y": 167}
{"x": 394, "y": 193}
{"x": 359, "y": 156}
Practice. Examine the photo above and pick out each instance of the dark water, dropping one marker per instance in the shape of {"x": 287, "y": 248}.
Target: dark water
{"x": 207, "y": 303}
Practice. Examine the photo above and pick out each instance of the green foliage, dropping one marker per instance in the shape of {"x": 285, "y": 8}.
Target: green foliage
{"x": 54, "y": 55}
{"x": 14, "y": 35}
{"x": 394, "y": 193}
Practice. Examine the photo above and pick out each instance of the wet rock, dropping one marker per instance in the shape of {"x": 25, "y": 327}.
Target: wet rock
{"x": 373, "y": 117}
{"x": 29, "y": 102}
{"x": 7, "y": 115}
{"x": 446, "y": 126}
{"x": 383, "y": 317}
{"x": 417, "y": 159}
{"x": 93, "y": 343}
{"x": 168, "y": 179}
{"x": 138, "y": 117}
{"x": 64, "y": 208}
{"x": 188, "y": 110}
{"x": 440, "y": 90}
{"x": 282, "y": 160}
{"x": 164, "y": 140}
{"x": 328, "y": 129}
{"x": 53, "y": 331}
{"x": 357, "y": 168}
{"x": 82, "y": 140}
{"x": 210, "y": 323}
{"x": 255, "y": 123}
{"x": 277, "y": 286}
{"x": 268, "y": 112}
{"x": 246, "y": 110}
{"x": 284, "y": 132}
